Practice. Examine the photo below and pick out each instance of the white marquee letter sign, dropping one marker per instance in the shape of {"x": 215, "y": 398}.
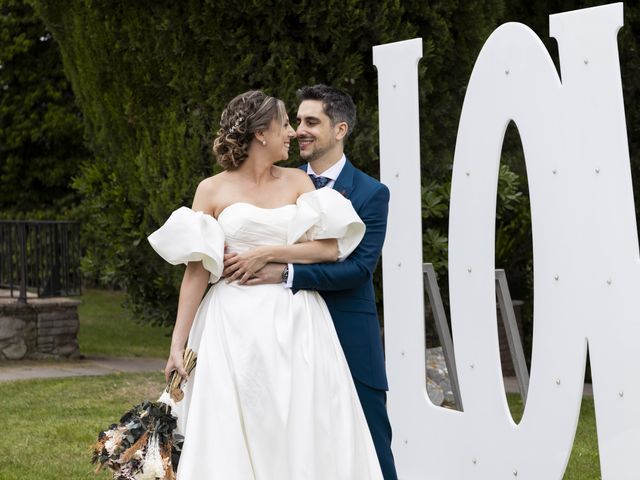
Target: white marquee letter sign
{"x": 586, "y": 258}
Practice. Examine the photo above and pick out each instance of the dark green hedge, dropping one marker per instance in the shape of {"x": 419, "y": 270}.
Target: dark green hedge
{"x": 41, "y": 130}
{"x": 151, "y": 79}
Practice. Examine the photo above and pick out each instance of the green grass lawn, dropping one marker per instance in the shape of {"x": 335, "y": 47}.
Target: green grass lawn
{"x": 48, "y": 426}
{"x": 107, "y": 329}
{"x": 584, "y": 463}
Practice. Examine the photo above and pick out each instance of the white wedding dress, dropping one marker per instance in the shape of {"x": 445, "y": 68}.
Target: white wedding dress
{"x": 271, "y": 397}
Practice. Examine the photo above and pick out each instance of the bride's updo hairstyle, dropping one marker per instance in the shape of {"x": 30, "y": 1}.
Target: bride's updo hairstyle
{"x": 246, "y": 114}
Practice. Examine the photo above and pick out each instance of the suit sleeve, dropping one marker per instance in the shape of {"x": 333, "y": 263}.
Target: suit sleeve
{"x": 360, "y": 265}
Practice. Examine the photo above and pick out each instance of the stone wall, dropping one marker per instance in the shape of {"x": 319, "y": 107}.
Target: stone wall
{"x": 42, "y": 328}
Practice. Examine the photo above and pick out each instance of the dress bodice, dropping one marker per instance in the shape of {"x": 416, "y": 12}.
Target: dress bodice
{"x": 246, "y": 226}
{"x": 190, "y": 236}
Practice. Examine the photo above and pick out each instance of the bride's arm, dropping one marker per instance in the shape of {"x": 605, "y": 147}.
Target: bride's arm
{"x": 242, "y": 266}
{"x": 194, "y": 283}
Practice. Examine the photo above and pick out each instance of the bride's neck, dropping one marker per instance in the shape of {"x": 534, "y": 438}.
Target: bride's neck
{"x": 256, "y": 169}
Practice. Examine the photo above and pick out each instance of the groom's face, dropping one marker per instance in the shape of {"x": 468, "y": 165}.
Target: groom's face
{"x": 316, "y": 136}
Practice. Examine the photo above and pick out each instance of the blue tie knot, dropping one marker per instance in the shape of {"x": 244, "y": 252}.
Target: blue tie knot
{"x": 318, "y": 181}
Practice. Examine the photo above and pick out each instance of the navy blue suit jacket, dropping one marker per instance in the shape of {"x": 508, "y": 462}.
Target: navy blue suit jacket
{"x": 347, "y": 287}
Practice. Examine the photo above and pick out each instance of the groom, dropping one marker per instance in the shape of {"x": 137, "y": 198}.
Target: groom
{"x": 326, "y": 117}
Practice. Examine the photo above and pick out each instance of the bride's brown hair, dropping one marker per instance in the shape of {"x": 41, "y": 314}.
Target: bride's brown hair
{"x": 246, "y": 114}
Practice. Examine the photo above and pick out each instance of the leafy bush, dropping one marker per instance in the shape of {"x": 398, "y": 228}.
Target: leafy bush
{"x": 513, "y": 229}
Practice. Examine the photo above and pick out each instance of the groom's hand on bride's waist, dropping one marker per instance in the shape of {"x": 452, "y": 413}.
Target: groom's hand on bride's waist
{"x": 271, "y": 273}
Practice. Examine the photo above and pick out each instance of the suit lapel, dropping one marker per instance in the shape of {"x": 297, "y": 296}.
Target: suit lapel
{"x": 344, "y": 182}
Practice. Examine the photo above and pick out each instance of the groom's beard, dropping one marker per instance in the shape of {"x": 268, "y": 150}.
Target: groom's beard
{"x": 315, "y": 153}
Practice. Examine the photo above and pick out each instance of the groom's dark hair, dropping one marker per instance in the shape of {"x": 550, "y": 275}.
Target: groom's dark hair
{"x": 337, "y": 105}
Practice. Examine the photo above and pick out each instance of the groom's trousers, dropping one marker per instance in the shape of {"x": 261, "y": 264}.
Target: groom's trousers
{"x": 375, "y": 411}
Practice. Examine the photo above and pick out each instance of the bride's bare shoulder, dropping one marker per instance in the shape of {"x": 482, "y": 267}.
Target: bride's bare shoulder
{"x": 298, "y": 177}
{"x": 208, "y": 191}
{"x": 292, "y": 171}
{"x": 213, "y": 180}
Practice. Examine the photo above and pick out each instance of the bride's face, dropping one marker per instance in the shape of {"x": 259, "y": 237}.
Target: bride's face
{"x": 278, "y": 138}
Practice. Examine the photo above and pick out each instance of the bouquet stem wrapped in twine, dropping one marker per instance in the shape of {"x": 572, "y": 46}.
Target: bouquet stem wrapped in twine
{"x": 173, "y": 387}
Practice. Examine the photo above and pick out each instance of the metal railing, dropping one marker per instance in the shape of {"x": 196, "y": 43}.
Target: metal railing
{"x": 40, "y": 258}
{"x": 509, "y": 321}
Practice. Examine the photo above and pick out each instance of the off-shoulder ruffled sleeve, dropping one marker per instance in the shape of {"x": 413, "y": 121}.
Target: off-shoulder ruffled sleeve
{"x": 325, "y": 213}
{"x": 189, "y": 236}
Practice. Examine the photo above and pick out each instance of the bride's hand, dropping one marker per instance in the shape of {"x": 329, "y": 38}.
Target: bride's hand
{"x": 175, "y": 362}
{"x": 243, "y": 266}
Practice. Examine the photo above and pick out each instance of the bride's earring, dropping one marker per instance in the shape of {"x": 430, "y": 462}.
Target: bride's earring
{"x": 264, "y": 142}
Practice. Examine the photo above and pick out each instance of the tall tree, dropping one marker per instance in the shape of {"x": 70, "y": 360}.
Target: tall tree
{"x": 40, "y": 128}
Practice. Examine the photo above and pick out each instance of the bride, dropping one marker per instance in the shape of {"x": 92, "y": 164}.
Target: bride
{"x": 272, "y": 397}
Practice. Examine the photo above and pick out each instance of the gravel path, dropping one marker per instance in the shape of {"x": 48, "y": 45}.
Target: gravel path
{"x": 89, "y": 366}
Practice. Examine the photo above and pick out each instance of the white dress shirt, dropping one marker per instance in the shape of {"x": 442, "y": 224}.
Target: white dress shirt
{"x": 331, "y": 173}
